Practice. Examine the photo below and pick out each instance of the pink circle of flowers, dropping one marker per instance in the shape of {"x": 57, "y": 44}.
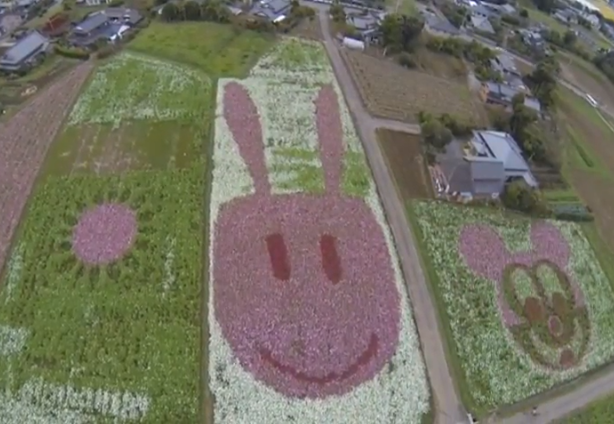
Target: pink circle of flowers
{"x": 104, "y": 233}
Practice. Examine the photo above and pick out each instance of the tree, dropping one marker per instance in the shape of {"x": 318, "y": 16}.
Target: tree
{"x": 542, "y": 80}
{"x": 519, "y": 196}
{"x": 545, "y": 5}
{"x": 192, "y": 10}
{"x": 524, "y": 13}
{"x": 337, "y": 12}
{"x": 401, "y": 32}
{"x": 569, "y": 39}
{"x": 436, "y": 136}
{"x": 170, "y": 12}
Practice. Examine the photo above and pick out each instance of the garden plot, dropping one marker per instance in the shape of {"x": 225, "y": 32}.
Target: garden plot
{"x": 99, "y": 316}
{"x": 309, "y": 316}
{"x": 218, "y": 49}
{"x": 137, "y": 113}
{"x": 527, "y": 302}
{"x": 390, "y": 91}
{"x": 403, "y": 154}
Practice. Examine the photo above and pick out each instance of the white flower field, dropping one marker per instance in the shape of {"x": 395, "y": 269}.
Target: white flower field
{"x": 301, "y": 333}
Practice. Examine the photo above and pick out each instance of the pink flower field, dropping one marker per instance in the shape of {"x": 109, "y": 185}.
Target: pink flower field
{"x": 310, "y": 267}
{"x": 104, "y": 233}
{"x": 309, "y": 319}
{"x": 24, "y": 141}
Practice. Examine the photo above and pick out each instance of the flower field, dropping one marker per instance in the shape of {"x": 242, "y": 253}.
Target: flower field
{"x": 100, "y": 301}
{"x": 309, "y": 318}
{"x": 527, "y": 302}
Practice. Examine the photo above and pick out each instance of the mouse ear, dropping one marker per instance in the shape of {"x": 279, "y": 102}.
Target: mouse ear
{"x": 548, "y": 243}
{"x": 484, "y": 251}
{"x": 330, "y": 136}
{"x": 243, "y": 121}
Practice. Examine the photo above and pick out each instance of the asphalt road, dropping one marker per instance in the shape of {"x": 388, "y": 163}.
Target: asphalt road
{"x": 448, "y": 407}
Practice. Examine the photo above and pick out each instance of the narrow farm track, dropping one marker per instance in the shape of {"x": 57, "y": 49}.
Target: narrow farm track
{"x": 24, "y": 141}
{"x": 448, "y": 409}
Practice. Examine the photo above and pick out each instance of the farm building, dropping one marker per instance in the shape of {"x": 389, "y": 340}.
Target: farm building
{"x": 503, "y": 94}
{"x": 24, "y": 53}
{"x": 483, "y": 165}
{"x": 272, "y": 10}
{"x": 107, "y": 24}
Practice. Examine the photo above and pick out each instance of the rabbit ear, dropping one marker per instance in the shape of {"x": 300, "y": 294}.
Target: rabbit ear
{"x": 330, "y": 136}
{"x": 484, "y": 251}
{"x": 548, "y": 243}
{"x": 243, "y": 120}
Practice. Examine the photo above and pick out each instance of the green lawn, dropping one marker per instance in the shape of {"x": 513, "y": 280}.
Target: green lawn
{"x": 219, "y": 50}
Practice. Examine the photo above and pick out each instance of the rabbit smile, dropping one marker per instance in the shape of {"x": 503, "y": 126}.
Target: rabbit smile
{"x": 285, "y": 282}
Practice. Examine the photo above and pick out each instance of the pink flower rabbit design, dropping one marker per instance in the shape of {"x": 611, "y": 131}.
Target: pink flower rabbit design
{"x": 540, "y": 305}
{"x": 304, "y": 288}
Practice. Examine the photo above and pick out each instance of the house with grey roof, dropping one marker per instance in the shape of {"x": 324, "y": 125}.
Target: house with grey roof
{"x": 24, "y": 53}
{"x": 485, "y": 164}
{"x": 481, "y": 23}
{"x": 108, "y": 24}
{"x": 272, "y": 10}
{"x": 440, "y": 26}
{"x": 502, "y": 94}
{"x": 367, "y": 24}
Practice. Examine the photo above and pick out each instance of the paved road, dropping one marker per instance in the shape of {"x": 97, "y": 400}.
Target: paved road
{"x": 563, "y": 405}
{"x": 448, "y": 406}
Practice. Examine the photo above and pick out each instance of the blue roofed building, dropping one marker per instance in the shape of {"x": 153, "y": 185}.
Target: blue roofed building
{"x": 24, "y": 53}
{"x": 106, "y": 25}
{"x": 272, "y": 10}
{"x": 484, "y": 165}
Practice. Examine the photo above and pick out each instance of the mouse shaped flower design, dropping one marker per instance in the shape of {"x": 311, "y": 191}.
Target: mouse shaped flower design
{"x": 541, "y": 306}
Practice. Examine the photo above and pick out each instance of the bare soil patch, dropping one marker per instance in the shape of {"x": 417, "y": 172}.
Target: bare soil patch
{"x": 309, "y": 29}
{"x": 391, "y": 91}
{"x": 403, "y": 153}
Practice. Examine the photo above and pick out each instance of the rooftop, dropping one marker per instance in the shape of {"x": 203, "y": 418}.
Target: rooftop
{"x": 436, "y": 23}
{"x": 24, "y": 47}
{"x": 271, "y": 9}
{"x": 498, "y": 147}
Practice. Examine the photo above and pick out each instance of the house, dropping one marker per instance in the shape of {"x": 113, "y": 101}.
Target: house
{"x": 566, "y": 16}
{"x": 505, "y": 64}
{"x": 507, "y": 9}
{"x": 367, "y": 25}
{"x": 95, "y": 2}
{"x": 482, "y": 11}
{"x": 272, "y": 10}
{"x": 482, "y": 24}
{"x": 24, "y": 53}
{"x": 502, "y": 94}
{"x": 440, "y": 26}
{"x": 485, "y": 164}
{"x": 533, "y": 38}
{"x": 591, "y": 19}
{"x": 108, "y": 25}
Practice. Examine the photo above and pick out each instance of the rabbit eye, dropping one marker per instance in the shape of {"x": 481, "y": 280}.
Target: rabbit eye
{"x": 330, "y": 258}
{"x": 278, "y": 254}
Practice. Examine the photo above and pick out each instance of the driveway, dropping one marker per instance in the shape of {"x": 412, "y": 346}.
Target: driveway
{"x": 448, "y": 409}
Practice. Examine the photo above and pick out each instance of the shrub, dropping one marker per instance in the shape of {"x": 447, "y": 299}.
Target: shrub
{"x": 518, "y": 196}
{"x": 73, "y": 53}
{"x": 406, "y": 60}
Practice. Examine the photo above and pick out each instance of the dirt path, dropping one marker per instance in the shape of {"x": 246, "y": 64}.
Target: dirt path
{"x": 448, "y": 407}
